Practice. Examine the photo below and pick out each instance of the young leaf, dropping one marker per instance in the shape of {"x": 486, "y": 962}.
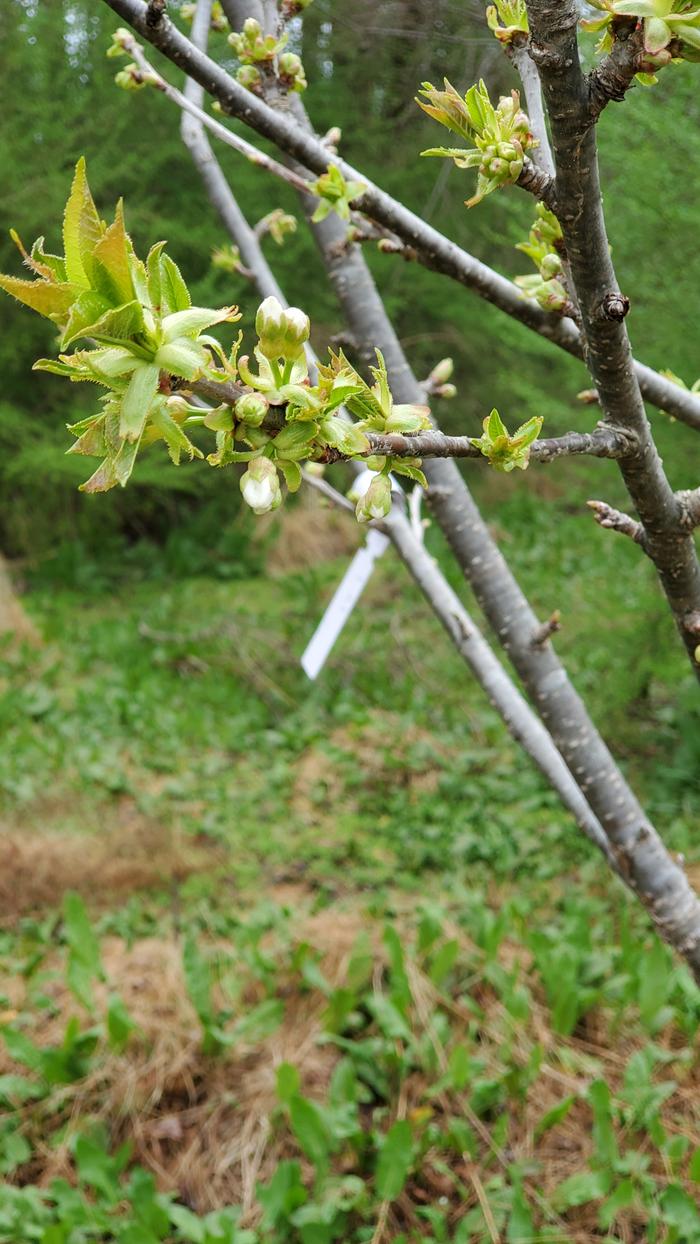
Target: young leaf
{"x": 310, "y": 1128}
{"x": 395, "y": 1160}
{"x": 82, "y": 228}
{"x": 137, "y": 401}
{"x": 52, "y": 301}
{"x": 112, "y": 252}
{"x": 174, "y": 294}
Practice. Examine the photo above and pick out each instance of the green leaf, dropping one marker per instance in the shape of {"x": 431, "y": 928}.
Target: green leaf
{"x": 621, "y": 1198}
{"x": 84, "y": 961}
{"x": 112, "y": 251}
{"x": 51, "y": 301}
{"x": 261, "y": 1021}
{"x": 495, "y": 426}
{"x": 554, "y": 1116}
{"x": 603, "y": 1130}
{"x": 88, "y": 308}
{"x": 282, "y": 1195}
{"x": 192, "y": 321}
{"x": 136, "y": 402}
{"x": 291, "y": 472}
{"x": 680, "y": 1211}
{"x": 176, "y": 440}
{"x": 181, "y": 358}
{"x": 120, "y": 1025}
{"x": 116, "y": 324}
{"x": 400, "y": 467}
{"x": 293, "y": 439}
{"x": 82, "y": 228}
{"x": 694, "y": 1168}
{"x": 520, "y": 1222}
{"x": 581, "y": 1188}
{"x": 288, "y": 1082}
{"x": 395, "y": 1160}
{"x": 174, "y": 294}
{"x": 309, "y": 1126}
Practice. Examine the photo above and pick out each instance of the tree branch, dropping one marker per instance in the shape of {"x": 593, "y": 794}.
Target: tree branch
{"x": 605, "y": 442}
{"x": 433, "y": 250}
{"x": 609, "y": 357}
{"x": 615, "y": 520}
{"x": 610, "y": 80}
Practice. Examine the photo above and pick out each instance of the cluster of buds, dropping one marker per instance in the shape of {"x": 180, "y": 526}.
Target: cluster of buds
{"x": 256, "y": 50}
{"x": 227, "y": 259}
{"x": 501, "y": 135}
{"x": 508, "y": 20}
{"x": 278, "y": 224}
{"x": 335, "y": 194}
{"x": 545, "y": 247}
{"x": 131, "y": 78}
{"x": 506, "y": 452}
{"x": 145, "y": 340}
{"x": 671, "y": 29}
{"x": 218, "y": 21}
{"x": 282, "y": 332}
{"x": 438, "y": 382}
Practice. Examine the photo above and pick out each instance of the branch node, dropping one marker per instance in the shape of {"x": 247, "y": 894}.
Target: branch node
{"x": 547, "y": 57}
{"x": 691, "y": 623}
{"x": 614, "y": 306}
{"x": 544, "y": 632}
{"x": 155, "y": 12}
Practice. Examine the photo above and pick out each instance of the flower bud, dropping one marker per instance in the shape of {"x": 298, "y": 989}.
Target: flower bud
{"x": 441, "y": 372}
{"x": 290, "y": 64}
{"x": 252, "y": 409}
{"x": 249, "y": 77}
{"x": 550, "y": 266}
{"x": 376, "y": 503}
{"x": 446, "y": 391}
{"x": 270, "y": 321}
{"x": 251, "y": 29}
{"x": 261, "y": 487}
{"x": 507, "y": 151}
{"x": 295, "y": 332}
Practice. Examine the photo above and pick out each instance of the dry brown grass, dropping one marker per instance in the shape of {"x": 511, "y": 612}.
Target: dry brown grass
{"x": 308, "y": 533}
{"x": 14, "y": 621}
{"x": 205, "y": 1125}
{"x": 119, "y": 853}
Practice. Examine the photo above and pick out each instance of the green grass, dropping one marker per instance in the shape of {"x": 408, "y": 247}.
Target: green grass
{"x": 351, "y": 911}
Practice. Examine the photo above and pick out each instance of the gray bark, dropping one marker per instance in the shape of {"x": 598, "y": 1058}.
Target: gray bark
{"x": 554, "y": 46}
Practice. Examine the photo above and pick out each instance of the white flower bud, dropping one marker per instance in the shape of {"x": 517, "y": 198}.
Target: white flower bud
{"x": 261, "y": 487}
{"x": 376, "y": 502}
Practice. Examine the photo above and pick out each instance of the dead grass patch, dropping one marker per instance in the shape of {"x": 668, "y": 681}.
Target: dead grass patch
{"x": 308, "y": 533}
{"x": 124, "y": 852}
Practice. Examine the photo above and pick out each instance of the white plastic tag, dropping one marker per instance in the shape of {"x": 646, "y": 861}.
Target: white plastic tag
{"x": 343, "y": 602}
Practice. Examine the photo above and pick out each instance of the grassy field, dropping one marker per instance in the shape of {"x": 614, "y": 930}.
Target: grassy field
{"x": 329, "y": 963}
